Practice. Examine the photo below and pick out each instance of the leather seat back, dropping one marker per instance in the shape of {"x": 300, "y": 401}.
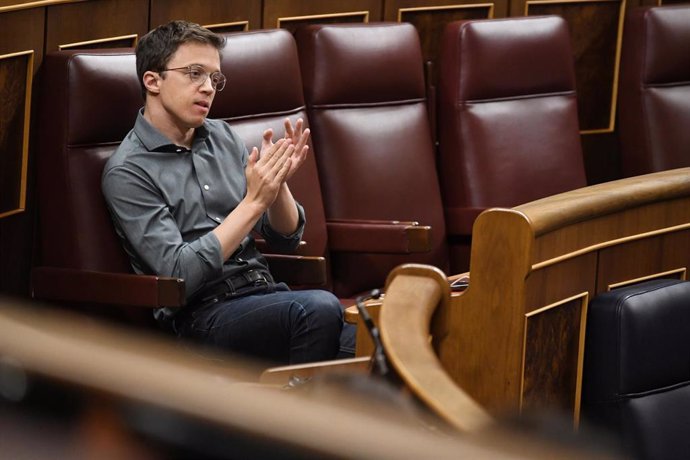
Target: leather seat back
{"x": 654, "y": 95}
{"x": 636, "y": 379}
{"x": 508, "y": 123}
{"x": 88, "y": 103}
{"x": 365, "y": 93}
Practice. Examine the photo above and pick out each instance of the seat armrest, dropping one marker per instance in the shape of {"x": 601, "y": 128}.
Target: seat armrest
{"x": 264, "y": 247}
{"x": 305, "y": 271}
{"x": 73, "y": 285}
{"x": 391, "y": 237}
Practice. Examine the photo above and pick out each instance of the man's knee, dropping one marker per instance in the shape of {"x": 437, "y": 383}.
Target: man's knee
{"x": 325, "y": 305}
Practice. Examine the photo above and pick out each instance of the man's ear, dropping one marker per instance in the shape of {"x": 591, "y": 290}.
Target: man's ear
{"x": 151, "y": 81}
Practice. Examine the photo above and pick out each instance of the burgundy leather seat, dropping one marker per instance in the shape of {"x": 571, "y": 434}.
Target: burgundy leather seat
{"x": 654, "y": 94}
{"x": 88, "y": 103}
{"x": 508, "y": 126}
{"x": 364, "y": 87}
{"x": 264, "y": 87}
{"x": 636, "y": 377}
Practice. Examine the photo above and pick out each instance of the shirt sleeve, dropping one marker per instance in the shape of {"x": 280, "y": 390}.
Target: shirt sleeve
{"x": 279, "y": 241}
{"x": 151, "y": 236}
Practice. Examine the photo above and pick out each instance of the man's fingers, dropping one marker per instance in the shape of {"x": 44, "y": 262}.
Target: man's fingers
{"x": 254, "y": 155}
{"x": 302, "y": 141}
{"x": 289, "y": 132}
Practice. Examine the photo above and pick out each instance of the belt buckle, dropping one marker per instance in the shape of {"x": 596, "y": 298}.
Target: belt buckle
{"x": 255, "y": 277}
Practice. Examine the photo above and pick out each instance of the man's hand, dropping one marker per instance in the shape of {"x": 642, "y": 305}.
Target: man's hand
{"x": 267, "y": 172}
{"x": 299, "y": 138}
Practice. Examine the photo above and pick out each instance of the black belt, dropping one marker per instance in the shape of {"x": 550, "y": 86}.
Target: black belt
{"x": 236, "y": 285}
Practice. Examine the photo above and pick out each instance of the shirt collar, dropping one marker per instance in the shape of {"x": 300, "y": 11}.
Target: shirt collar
{"x": 155, "y": 141}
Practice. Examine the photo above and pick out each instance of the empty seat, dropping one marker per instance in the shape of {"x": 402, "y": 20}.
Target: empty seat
{"x": 654, "y": 95}
{"x": 508, "y": 124}
{"x": 636, "y": 379}
{"x": 365, "y": 93}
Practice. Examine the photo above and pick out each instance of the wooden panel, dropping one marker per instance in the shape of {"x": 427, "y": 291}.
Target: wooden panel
{"x": 612, "y": 230}
{"x": 227, "y": 16}
{"x": 16, "y": 76}
{"x": 19, "y": 31}
{"x": 23, "y": 30}
{"x": 596, "y": 28}
{"x": 553, "y": 356}
{"x": 430, "y": 19}
{"x": 290, "y": 15}
{"x": 666, "y": 255}
{"x": 94, "y": 20}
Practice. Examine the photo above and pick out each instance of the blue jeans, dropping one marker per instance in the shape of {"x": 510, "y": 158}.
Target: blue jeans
{"x": 276, "y": 325}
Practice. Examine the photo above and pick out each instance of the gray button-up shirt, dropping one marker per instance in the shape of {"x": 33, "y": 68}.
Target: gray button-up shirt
{"x": 165, "y": 200}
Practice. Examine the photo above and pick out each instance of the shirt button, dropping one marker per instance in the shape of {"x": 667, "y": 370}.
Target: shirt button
{"x": 218, "y": 219}
{"x": 206, "y": 187}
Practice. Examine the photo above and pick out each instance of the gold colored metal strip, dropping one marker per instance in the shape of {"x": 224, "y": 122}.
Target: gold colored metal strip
{"x": 614, "y": 242}
{"x": 133, "y": 37}
{"x": 678, "y": 271}
{"x": 401, "y": 11}
{"x": 244, "y": 24}
{"x": 38, "y": 4}
{"x": 364, "y": 14}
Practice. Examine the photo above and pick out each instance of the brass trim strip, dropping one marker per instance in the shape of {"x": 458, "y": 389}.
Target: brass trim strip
{"x": 66, "y": 46}
{"x": 37, "y": 4}
{"x": 26, "y": 127}
{"x": 448, "y": 7}
{"x": 596, "y": 247}
{"x": 682, "y": 271}
{"x": 584, "y": 296}
{"x": 616, "y": 62}
{"x": 365, "y": 14}
{"x": 228, "y": 24}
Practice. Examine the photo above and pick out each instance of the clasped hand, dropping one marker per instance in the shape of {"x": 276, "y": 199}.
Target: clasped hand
{"x": 268, "y": 170}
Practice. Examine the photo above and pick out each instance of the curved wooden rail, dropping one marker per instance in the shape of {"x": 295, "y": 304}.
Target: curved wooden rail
{"x": 417, "y": 290}
{"x": 514, "y": 340}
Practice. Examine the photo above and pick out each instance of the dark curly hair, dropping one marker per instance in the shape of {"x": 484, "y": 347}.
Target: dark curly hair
{"x": 155, "y": 49}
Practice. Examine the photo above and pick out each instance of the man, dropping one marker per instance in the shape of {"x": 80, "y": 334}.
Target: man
{"x": 185, "y": 195}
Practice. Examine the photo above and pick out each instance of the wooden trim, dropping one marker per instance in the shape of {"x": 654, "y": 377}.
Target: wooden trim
{"x": 37, "y": 4}
{"x": 364, "y": 13}
{"x": 228, "y": 24}
{"x": 681, "y": 271}
{"x": 66, "y": 46}
{"x": 491, "y": 6}
{"x": 26, "y": 127}
{"x": 614, "y": 242}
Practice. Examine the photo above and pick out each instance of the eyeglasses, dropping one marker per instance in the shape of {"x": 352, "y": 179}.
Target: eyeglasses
{"x": 198, "y": 75}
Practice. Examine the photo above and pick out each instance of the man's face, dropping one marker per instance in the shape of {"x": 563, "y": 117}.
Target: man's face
{"x": 187, "y": 103}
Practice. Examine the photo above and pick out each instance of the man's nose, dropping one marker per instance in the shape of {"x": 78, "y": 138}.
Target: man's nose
{"x": 207, "y": 85}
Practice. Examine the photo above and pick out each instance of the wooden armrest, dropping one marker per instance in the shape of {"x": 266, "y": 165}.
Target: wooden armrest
{"x": 282, "y": 375}
{"x": 74, "y": 285}
{"x": 392, "y": 237}
{"x": 298, "y": 270}
{"x": 418, "y": 290}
